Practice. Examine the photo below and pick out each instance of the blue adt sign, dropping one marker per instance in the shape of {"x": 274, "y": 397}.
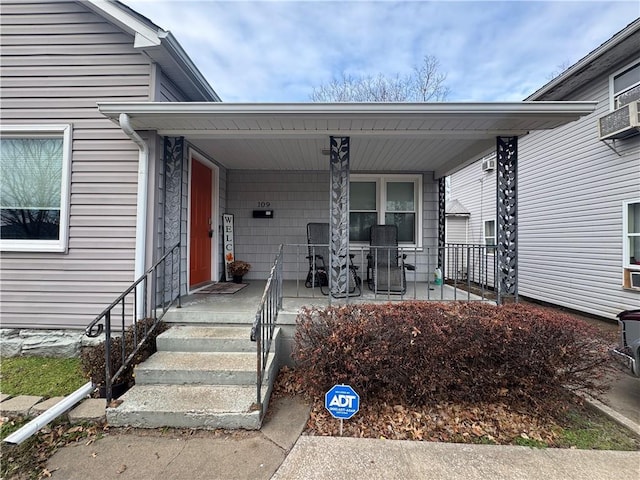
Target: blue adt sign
{"x": 342, "y": 401}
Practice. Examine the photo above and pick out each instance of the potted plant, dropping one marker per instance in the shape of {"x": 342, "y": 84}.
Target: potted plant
{"x": 237, "y": 269}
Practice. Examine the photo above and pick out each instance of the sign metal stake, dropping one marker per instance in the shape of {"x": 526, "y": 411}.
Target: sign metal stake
{"x": 342, "y": 402}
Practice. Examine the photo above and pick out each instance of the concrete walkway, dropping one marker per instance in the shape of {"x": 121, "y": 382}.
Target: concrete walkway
{"x": 328, "y": 458}
{"x": 278, "y": 451}
{"x": 186, "y": 455}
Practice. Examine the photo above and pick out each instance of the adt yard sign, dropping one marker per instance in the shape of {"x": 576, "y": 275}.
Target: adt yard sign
{"x": 342, "y": 401}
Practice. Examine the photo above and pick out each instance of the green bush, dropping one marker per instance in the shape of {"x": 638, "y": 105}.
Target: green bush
{"x": 422, "y": 352}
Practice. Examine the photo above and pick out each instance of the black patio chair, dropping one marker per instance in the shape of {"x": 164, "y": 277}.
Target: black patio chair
{"x": 386, "y": 268}
{"x": 318, "y": 247}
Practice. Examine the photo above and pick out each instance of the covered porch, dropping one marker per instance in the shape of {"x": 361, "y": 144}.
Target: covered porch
{"x": 277, "y": 168}
{"x": 300, "y": 162}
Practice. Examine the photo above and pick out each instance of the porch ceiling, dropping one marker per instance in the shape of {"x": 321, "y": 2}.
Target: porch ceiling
{"x": 439, "y": 137}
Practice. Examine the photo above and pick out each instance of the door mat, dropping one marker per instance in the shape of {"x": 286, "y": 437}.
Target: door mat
{"x": 223, "y": 288}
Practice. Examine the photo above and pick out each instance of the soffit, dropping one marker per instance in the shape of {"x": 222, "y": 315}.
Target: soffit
{"x": 439, "y": 137}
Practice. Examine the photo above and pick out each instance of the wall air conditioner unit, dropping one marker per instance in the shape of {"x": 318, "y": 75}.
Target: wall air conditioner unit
{"x": 621, "y": 123}
{"x": 488, "y": 164}
{"x": 635, "y": 280}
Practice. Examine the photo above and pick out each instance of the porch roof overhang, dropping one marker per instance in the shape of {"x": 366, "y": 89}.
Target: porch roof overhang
{"x": 393, "y": 137}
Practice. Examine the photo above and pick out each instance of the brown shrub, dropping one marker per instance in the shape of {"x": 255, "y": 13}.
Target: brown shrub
{"x": 92, "y": 358}
{"x": 423, "y": 352}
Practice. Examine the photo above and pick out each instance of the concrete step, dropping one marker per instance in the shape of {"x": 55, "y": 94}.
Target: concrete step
{"x": 204, "y": 368}
{"x": 188, "y": 406}
{"x": 191, "y": 316}
{"x": 201, "y": 377}
{"x": 206, "y": 339}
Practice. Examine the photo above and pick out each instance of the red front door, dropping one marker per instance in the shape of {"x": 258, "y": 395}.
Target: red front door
{"x": 201, "y": 221}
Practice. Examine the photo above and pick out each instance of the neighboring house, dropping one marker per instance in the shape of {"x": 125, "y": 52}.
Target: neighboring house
{"x": 578, "y": 189}
{"x": 70, "y": 185}
{"x": 146, "y": 157}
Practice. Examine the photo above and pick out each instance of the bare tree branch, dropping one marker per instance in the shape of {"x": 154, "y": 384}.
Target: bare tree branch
{"x": 426, "y": 83}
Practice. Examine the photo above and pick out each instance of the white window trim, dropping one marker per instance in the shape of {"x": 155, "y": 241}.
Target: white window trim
{"x": 625, "y": 235}
{"x": 612, "y": 99}
{"x": 490, "y": 251}
{"x": 35, "y": 131}
{"x": 380, "y": 181}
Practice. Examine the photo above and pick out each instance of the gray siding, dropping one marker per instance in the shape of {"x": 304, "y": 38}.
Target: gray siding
{"x": 298, "y": 198}
{"x": 169, "y": 92}
{"x": 58, "y": 60}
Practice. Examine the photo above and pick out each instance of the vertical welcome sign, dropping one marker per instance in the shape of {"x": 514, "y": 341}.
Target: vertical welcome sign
{"x": 229, "y": 255}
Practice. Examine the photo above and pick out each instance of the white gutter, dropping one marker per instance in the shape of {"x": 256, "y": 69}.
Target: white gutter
{"x": 379, "y": 110}
{"x": 142, "y": 204}
{"x": 584, "y": 62}
{"x": 48, "y": 416}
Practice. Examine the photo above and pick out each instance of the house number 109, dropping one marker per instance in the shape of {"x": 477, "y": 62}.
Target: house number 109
{"x": 264, "y": 204}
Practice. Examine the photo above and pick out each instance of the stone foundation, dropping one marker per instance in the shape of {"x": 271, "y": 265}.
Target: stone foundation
{"x": 43, "y": 343}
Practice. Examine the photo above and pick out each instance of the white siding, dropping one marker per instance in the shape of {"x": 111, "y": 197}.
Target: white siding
{"x": 570, "y": 212}
{"x": 476, "y": 190}
{"x": 58, "y": 60}
{"x": 457, "y": 229}
{"x": 571, "y": 189}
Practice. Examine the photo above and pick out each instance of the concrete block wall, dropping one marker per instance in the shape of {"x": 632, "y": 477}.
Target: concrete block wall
{"x": 297, "y": 198}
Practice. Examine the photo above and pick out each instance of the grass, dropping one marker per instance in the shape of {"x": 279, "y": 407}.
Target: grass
{"x": 43, "y": 376}
{"x": 591, "y": 430}
{"x": 10, "y": 426}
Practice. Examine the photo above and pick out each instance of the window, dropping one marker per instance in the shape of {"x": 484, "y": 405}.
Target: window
{"x": 490, "y": 235}
{"x": 631, "y": 212}
{"x": 387, "y": 200}
{"x": 34, "y": 187}
{"x": 624, "y": 86}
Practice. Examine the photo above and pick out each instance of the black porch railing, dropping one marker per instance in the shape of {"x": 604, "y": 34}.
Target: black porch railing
{"x": 149, "y": 297}
{"x": 468, "y": 272}
{"x": 265, "y": 322}
{"x": 471, "y": 266}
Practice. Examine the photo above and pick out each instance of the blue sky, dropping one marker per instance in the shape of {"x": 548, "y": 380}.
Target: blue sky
{"x": 277, "y": 51}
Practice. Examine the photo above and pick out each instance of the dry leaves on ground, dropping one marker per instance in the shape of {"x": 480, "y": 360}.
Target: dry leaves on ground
{"x": 444, "y": 422}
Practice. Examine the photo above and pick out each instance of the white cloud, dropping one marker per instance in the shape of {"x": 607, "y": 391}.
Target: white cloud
{"x": 278, "y": 51}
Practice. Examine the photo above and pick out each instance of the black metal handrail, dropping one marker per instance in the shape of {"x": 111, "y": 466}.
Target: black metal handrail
{"x": 265, "y": 322}
{"x": 144, "y": 303}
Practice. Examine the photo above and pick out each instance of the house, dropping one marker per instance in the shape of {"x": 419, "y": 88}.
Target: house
{"x": 148, "y": 159}
{"x": 578, "y": 210}
{"x": 70, "y": 237}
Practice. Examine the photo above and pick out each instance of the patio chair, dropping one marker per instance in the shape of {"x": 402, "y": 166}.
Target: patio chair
{"x": 385, "y": 266}
{"x": 318, "y": 276}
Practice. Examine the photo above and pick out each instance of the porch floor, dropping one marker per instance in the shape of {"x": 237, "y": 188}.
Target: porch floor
{"x": 244, "y": 303}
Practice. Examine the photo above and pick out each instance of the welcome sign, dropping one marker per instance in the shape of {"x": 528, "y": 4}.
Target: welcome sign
{"x": 229, "y": 255}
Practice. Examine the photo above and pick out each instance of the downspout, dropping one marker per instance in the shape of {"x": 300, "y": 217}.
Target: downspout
{"x": 54, "y": 412}
{"x": 142, "y": 203}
